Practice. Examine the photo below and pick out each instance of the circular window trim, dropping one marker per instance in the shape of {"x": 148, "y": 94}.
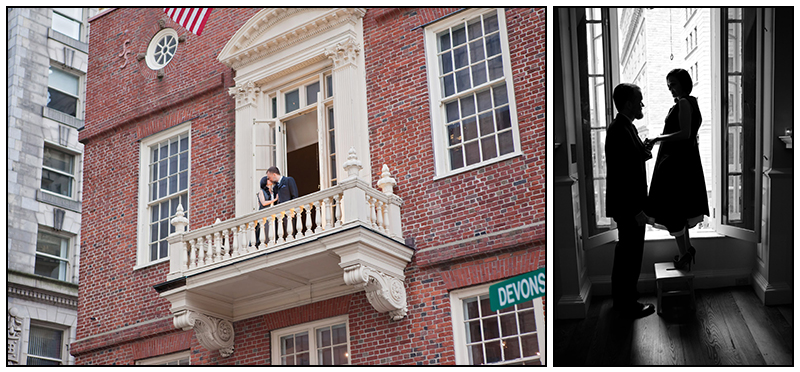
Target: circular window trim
{"x": 155, "y": 46}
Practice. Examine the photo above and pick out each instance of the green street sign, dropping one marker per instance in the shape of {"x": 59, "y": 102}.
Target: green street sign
{"x": 516, "y": 290}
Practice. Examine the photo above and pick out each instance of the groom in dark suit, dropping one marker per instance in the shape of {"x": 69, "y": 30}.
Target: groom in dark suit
{"x": 626, "y": 194}
{"x": 285, "y": 188}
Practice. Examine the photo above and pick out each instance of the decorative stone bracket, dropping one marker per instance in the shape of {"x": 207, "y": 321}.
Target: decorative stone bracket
{"x": 385, "y": 292}
{"x": 213, "y": 333}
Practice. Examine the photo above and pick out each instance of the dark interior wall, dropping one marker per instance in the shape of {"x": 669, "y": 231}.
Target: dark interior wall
{"x": 784, "y": 85}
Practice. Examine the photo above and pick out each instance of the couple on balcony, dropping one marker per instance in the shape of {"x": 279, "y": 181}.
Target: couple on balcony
{"x": 275, "y": 189}
{"x": 677, "y": 199}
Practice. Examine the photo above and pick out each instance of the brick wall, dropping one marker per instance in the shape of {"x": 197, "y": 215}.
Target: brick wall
{"x": 461, "y": 239}
{"x": 124, "y": 105}
{"x": 496, "y": 198}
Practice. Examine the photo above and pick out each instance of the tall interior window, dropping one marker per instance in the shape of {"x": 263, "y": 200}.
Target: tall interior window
{"x": 592, "y": 50}
{"x": 45, "y": 346}
{"x": 52, "y": 256}
{"x": 62, "y": 91}
{"x": 68, "y": 21}
{"x": 58, "y": 172}
{"x": 318, "y": 343}
{"x": 728, "y": 103}
{"x": 739, "y": 125}
{"x": 472, "y": 108}
{"x": 168, "y": 186}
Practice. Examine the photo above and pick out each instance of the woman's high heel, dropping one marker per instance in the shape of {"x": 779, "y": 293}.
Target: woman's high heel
{"x": 685, "y": 261}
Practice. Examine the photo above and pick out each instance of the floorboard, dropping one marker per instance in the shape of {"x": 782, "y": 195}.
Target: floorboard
{"x": 729, "y": 326}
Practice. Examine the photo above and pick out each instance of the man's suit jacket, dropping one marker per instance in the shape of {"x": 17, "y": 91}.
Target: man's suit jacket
{"x": 626, "y": 177}
{"x": 286, "y": 189}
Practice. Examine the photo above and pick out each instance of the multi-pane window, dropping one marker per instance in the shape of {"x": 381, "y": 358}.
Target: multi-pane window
{"x": 298, "y": 111}
{"x": 68, "y": 21}
{"x": 332, "y": 147}
{"x": 162, "y": 49}
{"x": 513, "y": 335}
{"x": 52, "y": 258}
{"x": 168, "y": 186}
{"x": 45, "y": 346}
{"x": 500, "y": 336}
{"x": 62, "y": 91}
{"x": 595, "y": 118}
{"x": 319, "y": 343}
{"x": 739, "y": 123}
{"x": 470, "y": 84}
{"x": 58, "y": 172}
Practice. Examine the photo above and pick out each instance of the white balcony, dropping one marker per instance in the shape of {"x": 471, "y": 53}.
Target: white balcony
{"x": 337, "y": 241}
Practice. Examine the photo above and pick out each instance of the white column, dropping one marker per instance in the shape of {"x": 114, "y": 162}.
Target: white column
{"x": 350, "y": 102}
{"x": 245, "y": 94}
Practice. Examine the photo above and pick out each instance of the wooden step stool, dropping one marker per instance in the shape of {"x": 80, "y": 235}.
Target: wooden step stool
{"x": 667, "y": 276}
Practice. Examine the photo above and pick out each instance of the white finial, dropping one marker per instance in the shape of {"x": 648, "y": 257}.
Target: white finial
{"x": 217, "y": 221}
{"x": 386, "y": 183}
{"x": 352, "y": 166}
{"x": 180, "y": 222}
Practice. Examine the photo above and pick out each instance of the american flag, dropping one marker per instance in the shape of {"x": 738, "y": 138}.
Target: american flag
{"x": 192, "y": 19}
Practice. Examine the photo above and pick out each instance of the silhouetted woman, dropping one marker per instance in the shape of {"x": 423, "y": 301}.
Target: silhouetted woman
{"x": 677, "y": 199}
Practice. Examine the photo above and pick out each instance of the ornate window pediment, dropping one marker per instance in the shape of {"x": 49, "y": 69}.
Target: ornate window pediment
{"x": 274, "y": 30}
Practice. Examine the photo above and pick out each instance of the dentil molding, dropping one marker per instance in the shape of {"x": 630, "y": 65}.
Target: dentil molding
{"x": 213, "y": 333}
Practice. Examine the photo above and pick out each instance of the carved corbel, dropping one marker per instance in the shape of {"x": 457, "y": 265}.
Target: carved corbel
{"x": 344, "y": 53}
{"x": 14, "y": 336}
{"x": 385, "y": 292}
{"x": 213, "y": 333}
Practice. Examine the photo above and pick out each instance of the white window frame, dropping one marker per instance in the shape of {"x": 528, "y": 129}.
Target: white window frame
{"x": 143, "y": 246}
{"x": 151, "y": 48}
{"x": 81, "y": 31}
{"x": 277, "y": 123}
{"x": 64, "y": 335}
{"x": 311, "y": 328}
{"x": 73, "y": 176}
{"x": 81, "y": 89}
{"x": 67, "y": 259}
{"x": 459, "y": 336}
{"x": 437, "y": 107}
{"x": 162, "y": 360}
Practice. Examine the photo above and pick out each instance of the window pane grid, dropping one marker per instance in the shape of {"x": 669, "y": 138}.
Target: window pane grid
{"x": 478, "y": 134}
{"x": 494, "y": 345}
{"x": 470, "y": 60}
{"x": 168, "y": 187}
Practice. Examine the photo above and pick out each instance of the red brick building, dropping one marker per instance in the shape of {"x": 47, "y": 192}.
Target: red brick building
{"x": 417, "y": 141}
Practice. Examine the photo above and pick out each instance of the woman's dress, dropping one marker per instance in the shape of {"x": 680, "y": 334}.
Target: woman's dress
{"x": 677, "y": 195}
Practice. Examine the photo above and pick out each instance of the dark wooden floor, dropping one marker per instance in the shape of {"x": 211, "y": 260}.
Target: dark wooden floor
{"x": 730, "y": 326}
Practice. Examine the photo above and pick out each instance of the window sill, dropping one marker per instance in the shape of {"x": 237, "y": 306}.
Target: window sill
{"x": 478, "y": 165}
{"x": 149, "y": 264}
{"x": 67, "y": 40}
{"x": 62, "y": 118}
{"x": 658, "y": 235}
{"x": 58, "y": 200}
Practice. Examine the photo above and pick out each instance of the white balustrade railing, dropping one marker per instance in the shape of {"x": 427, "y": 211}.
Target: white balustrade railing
{"x": 351, "y": 201}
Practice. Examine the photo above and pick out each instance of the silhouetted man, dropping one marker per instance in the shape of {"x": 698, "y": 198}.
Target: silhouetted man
{"x": 626, "y": 194}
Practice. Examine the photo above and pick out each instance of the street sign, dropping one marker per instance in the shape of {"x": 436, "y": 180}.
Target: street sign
{"x": 516, "y": 290}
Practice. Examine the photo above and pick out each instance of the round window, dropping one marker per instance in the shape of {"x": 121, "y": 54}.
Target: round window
{"x": 162, "y": 48}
